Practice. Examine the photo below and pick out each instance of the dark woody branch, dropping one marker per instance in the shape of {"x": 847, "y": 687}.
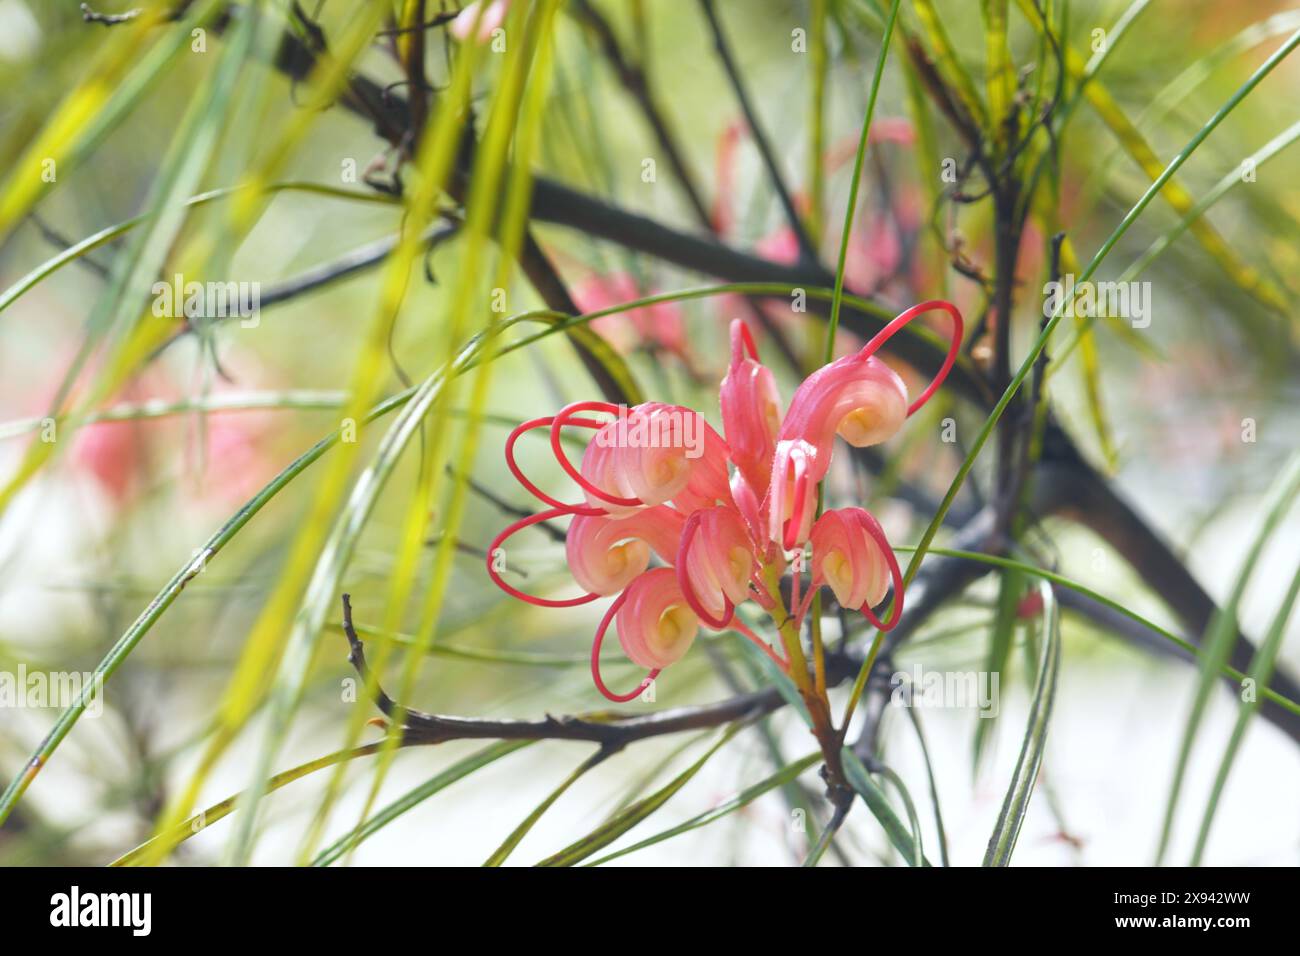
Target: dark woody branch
{"x": 561, "y": 205}
{"x": 391, "y": 114}
{"x": 610, "y": 731}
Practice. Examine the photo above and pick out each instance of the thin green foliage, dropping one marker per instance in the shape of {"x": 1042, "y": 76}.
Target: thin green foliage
{"x": 1220, "y": 637}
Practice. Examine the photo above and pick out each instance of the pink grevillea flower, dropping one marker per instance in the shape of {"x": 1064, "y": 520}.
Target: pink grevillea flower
{"x": 725, "y": 517}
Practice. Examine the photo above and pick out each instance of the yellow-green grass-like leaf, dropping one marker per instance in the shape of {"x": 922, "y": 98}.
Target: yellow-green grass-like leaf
{"x": 1178, "y": 89}
{"x": 931, "y": 783}
{"x": 855, "y": 181}
{"x": 905, "y": 840}
{"x": 947, "y": 63}
{"x": 501, "y": 853}
{"x": 1001, "y": 639}
{"x": 1246, "y": 277}
{"x": 136, "y": 269}
{"x": 92, "y": 242}
{"x": 117, "y": 79}
{"x": 1226, "y": 184}
{"x": 1016, "y": 803}
{"x": 1000, "y": 77}
{"x": 1221, "y": 635}
{"x": 498, "y": 191}
{"x": 266, "y": 644}
{"x": 785, "y": 775}
{"x": 1261, "y": 669}
{"x": 612, "y": 829}
{"x": 205, "y": 818}
{"x": 440, "y": 781}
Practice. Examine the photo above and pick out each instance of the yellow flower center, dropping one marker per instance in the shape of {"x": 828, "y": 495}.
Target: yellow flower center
{"x": 839, "y": 574}
{"x": 677, "y": 623}
{"x": 858, "y": 425}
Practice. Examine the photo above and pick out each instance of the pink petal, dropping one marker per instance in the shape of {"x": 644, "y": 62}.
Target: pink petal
{"x": 715, "y": 562}
{"x": 462, "y": 28}
{"x": 859, "y": 397}
{"x": 605, "y": 554}
{"x": 653, "y": 453}
{"x": 746, "y": 501}
{"x": 655, "y": 625}
{"x": 751, "y": 409}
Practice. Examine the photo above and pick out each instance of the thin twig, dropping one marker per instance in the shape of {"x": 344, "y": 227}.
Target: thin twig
{"x": 633, "y": 78}
{"x": 604, "y": 728}
{"x": 807, "y": 250}
{"x": 108, "y": 19}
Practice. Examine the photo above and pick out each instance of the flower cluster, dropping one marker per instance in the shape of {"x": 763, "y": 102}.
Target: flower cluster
{"x": 726, "y": 517}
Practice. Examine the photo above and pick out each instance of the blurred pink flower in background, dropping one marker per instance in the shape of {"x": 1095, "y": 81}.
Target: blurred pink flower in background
{"x": 236, "y": 461}
{"x": 122, "y": 458}
{"x": 660, "y": 326}
{"x": 875, "y": 251}
{"x": 493, "y": 15}
{"x": 112, "y": 454}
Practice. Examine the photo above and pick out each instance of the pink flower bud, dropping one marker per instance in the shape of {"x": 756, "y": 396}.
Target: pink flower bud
{"x": 747, "y": 503}
{"x": 751, "y": 409}
{"x": 852, "y": 557}
{"x": 791, "y": 500}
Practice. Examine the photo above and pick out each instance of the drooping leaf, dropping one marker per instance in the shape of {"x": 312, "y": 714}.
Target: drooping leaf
{"x": 1016, "y": 803}
{"x": 899, "y": 833}
{"x": 612, "y": 829}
